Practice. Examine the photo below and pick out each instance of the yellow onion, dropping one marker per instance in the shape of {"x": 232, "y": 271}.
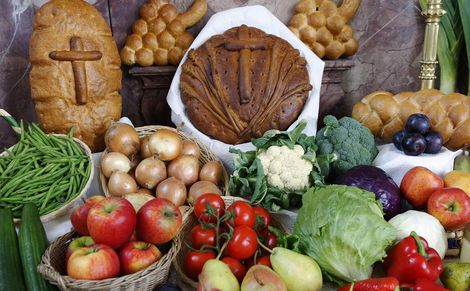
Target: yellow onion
{"x": 173, "y": 190}
{"x": 121, "y": 137}
{"x": 185, "y": 169}
{"x": 165, "y": 144}
{"x": 114, "y": 161}
{"x": 121, "y": 183}
{"x": 191, "y": 148}
{"x": 212, "y": 172}
{"x": 144, "y": 147}
{"x": 137, "y": 199}
{"x": 150, "y": 172}
{"x": 202, "y": 187}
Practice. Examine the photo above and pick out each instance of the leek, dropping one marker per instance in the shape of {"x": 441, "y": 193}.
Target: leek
{"x": 464, "y": 8}
{"x": 449, "y": 44}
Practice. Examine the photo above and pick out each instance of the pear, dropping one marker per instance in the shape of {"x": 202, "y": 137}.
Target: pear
{"x": 462, "y": 162}
{"x": 299, "y": 272}
{"x": 216, "y": 275}
{"x": 262, "y": 278}
{"x": 456, "y": 276}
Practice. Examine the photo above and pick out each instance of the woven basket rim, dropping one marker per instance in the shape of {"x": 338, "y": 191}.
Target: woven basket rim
{"x": 204, "y": 150}
{"x": 178, "y": 267}
{"x": 64, "y": 208}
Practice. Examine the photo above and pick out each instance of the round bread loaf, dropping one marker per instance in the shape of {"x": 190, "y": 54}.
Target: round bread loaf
{"x": 241, "y": 83}
{"x": 75, "y": 76}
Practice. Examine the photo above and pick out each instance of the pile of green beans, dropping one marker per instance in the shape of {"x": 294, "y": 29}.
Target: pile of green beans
{"x": 48, "y": 171}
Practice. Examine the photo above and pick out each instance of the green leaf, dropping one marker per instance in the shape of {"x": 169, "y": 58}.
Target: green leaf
{"x": 464, "y": 11}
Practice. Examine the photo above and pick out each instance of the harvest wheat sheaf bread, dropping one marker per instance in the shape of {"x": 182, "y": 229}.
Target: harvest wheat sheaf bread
{"x": 322, "y": 26}
{"x": 241, "y": 83}
{"x": 385, "y": 114}
{"x": 159, "y": 37}
{"x": 75, "y": 76}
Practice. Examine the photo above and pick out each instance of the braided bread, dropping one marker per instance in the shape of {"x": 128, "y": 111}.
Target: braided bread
{"x": 322, "y": 26}
{"x": 160, "y": 36}
{"x": 385, "y": 114}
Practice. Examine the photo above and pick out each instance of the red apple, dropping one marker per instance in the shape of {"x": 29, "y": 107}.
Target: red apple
{"x": 112, "y": 221}
{"x": 79, "y": 215}
{"x": 418, "y": 184}
{"x": 94, "y": 262}
{"x": 451, "y": 206}
{"x": 158, "y": 221}
{"x": 77, "y": 244}
{"x": 137, "y": 255}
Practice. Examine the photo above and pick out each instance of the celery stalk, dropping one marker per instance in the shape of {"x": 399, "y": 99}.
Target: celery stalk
{"x": 464, "y": 9}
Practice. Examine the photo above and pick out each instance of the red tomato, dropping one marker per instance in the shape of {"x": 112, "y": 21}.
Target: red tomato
{"x": 236, "y": 267}
{"x": 263, "y": 218}
{"x": 243, "y": 214}
{"x": 203, "y": 236}
{"x": 212, "y": 201}
{"x": 194, "y": 261}
{"x": 243, "y": 243}
{"x": 265, "y": 260}
{"x": 270, "y": 240}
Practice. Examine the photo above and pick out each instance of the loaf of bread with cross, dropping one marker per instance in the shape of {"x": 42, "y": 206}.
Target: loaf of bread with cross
{"x": 239, "y": 84}
{"x": 322, "y": 26}
{"x": 159, "y": 37}
{"x": 75, "y": 74}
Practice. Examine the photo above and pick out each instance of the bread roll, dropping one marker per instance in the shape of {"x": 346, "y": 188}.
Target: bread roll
{"x": 385, "y": 114}
{"x": 163, "y": 31}
{"x": 323, "y": 27}
{"x": 75, "y": 76}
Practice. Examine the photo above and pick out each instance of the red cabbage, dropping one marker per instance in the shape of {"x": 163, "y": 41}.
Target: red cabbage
{"x": 375, "y": 180}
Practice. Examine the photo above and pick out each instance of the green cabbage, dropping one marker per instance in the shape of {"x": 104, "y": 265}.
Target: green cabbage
{"x": 342, "y": 228}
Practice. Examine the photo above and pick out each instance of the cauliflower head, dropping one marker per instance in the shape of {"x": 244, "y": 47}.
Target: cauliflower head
{"x": 285, "y": 168}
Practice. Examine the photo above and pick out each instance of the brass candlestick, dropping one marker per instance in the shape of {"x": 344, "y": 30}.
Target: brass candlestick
{"x": 433, "y": 13}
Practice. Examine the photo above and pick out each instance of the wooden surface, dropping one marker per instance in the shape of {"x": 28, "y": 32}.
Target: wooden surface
{"x": 390, "y": 35}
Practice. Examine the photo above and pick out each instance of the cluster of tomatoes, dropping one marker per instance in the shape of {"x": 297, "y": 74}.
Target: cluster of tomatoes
{"x": 240, "y": 232}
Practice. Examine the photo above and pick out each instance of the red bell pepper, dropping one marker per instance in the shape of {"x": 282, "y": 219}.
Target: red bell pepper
{"x": 425, "y": 285}
{"x": 412, "y": 259}
{"x": 374, "y": 284}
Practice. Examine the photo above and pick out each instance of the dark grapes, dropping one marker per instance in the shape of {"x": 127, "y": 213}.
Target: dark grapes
{"x": 413, "y": 144}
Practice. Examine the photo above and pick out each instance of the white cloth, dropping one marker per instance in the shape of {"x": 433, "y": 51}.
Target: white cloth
{"x": 262, "y": 18}
{"x": 395, "y": 163}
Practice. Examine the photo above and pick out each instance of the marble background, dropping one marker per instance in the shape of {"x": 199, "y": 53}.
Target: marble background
{"x": 390, "y": 35}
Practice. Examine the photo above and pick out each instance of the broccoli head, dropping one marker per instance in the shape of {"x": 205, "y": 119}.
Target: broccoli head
{"x": 351, "y": 142}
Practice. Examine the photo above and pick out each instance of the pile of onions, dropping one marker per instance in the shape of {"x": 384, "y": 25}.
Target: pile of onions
{"x": 160, "y": 164}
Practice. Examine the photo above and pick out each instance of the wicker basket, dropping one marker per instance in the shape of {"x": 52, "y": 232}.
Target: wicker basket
{"x": 185, "y": 236}
{"x": 206, "y": 154}
{"x": 63, "y": 210}
{"x": 52, "y": 268}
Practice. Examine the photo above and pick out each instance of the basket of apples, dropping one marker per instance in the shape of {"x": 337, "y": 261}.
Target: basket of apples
{"x": 115, "y": 246}
{"x": 227, "y": 228}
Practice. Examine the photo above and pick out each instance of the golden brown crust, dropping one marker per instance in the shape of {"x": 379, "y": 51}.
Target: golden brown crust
{"x": 168, "y": 41}
{"x": 323, "y": 27}
{"x": 385, "y": 114}
{"x": 241, "y": 83}
{"x": 57, "y": 80}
